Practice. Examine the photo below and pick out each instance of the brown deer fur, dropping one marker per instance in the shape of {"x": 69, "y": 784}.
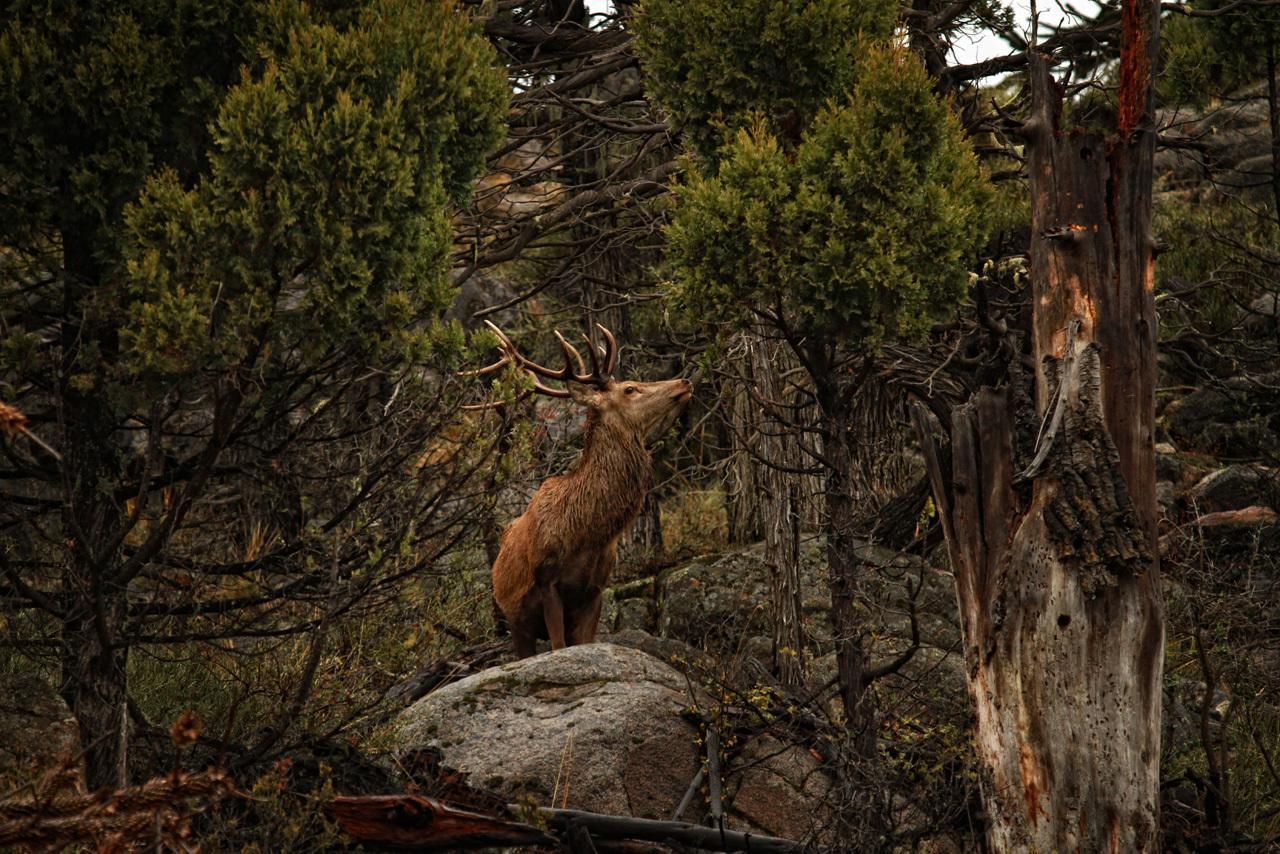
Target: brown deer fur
{"x": 555, "y": 560}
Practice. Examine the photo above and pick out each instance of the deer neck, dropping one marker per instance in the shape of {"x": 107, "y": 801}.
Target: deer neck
{"x": 612, "y": 475}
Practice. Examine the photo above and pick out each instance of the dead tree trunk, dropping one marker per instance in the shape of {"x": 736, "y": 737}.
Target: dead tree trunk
{"x": 1052, "y": 535}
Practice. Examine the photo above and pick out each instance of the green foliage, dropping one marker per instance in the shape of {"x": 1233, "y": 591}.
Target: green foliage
{"x": 863, "y": 234}
{"x": 694, "y": 522}
{"x": 223, "y": 234}
{"x": 1190, "y": 67}
{"x": 1243, "y": 41}
{"x": 325, "y": 199}
{"x": 95, "y": 95}
{"x": 713, "y": 65}
{"x": 1209, "y": 235}
{"x": 298, "y": 203}
{"x": 1209, "y": 56}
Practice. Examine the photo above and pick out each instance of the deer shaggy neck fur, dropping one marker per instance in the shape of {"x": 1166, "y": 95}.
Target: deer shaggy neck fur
{"x": 555, "y": 560}
{"x": 586, "y": 509}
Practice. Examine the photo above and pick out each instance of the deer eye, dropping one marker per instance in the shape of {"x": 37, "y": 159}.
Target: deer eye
{"x": 630, "y": 389}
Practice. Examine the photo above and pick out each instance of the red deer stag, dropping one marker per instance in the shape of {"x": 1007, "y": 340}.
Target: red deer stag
{"x": 555, "y": 560}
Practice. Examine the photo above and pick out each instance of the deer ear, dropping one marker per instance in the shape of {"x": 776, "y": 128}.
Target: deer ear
{"x": 583, "y": 393}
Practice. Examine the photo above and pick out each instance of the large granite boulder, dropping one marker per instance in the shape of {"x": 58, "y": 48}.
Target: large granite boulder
{"x": 606, "y": 728}
{"x": 597, "y": 727}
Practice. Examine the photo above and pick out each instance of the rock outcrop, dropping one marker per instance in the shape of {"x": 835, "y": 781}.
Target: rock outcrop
{"x": 1237, "y": 487}
{"x": 719, "y": 603}
{"x": 605, "y": 728}
{"x": 1238, "y": 417}
{"x": 597, "y": 727}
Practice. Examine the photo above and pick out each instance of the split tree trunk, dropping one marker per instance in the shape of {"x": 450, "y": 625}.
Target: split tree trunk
{"x": 1052, "y": 532}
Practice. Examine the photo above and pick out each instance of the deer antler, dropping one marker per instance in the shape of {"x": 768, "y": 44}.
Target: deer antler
{"x": 599, "y": 376}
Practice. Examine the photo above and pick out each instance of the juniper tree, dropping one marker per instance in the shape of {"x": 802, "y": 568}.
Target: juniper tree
{"x": 834, "y": 203}
{"x": 223, "y": 232}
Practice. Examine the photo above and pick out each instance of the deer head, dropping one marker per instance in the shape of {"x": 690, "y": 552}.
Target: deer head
{"x": 642, "y": 409}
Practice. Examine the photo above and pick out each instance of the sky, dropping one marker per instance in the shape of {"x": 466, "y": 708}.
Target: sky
{"x": 967, "y": 50}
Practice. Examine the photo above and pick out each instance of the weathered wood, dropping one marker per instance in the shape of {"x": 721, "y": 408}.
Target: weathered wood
{"x": 694, "y": 786}
{"x": 713, "y": 775}
{"x": 709, "y": 838}
{"x": 1062, "y": 654}
{"x": 1055, "y": 568}
{"x": 580, "y": 840}
{"x": 428, "y": 824}
{"x": 154, "y": 815}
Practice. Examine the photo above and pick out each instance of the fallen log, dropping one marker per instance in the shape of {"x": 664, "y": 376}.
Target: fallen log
{"x": 446, "y": 670}
{"x": 653, "y": 830}
{"x": 428, "y": 824}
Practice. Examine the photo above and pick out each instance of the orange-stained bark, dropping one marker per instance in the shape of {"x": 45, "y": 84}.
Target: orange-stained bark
{"x": 1049, "y": 506}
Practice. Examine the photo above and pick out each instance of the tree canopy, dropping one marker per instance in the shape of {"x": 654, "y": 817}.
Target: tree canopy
{"x": 715, "y": 66}
{"x": 835, "y": 195}
{"x": 225, "y": 231}
{"x": 862, "y": 232}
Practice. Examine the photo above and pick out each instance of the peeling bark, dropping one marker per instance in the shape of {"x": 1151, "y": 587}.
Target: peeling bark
{"x": 1052, "y": 532}
{"x": 641, "y": 547}
{"x": 780, "y": 508}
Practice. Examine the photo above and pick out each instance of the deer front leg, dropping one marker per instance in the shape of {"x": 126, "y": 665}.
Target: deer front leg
{"x": 524, "y": 640}
{"x": 587, "y": 620}
{"x": 553, "y": 615}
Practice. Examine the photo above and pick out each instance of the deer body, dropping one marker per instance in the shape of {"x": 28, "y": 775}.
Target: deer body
{"x": 556, "y": 558}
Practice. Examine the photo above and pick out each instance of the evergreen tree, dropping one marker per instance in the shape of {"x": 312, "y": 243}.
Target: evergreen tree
{"x": 834, "y": 202}
{"x": 215, "y": 220}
